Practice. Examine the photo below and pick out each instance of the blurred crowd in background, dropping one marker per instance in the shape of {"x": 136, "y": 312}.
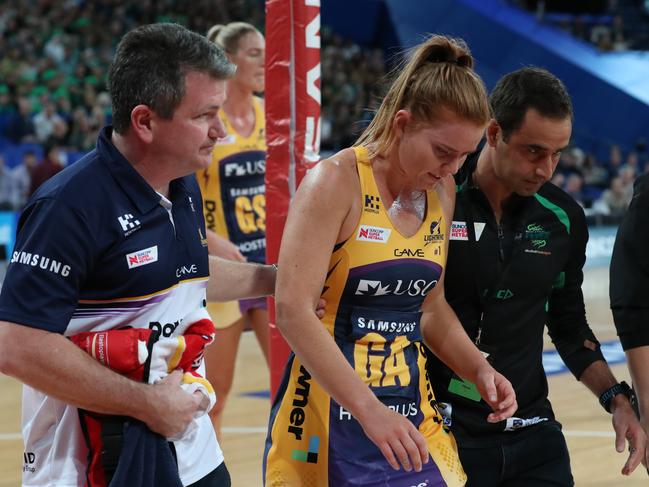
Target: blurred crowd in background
{"x": 610, "y": 25}
{"x": 54, "y": 57}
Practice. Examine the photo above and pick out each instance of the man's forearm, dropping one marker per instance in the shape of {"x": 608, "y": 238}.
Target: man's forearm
{"x": 445, "y": 336}
{"x": 236, "y": 280}
{"x": 598, "y": 378}
{"x": 638, "y": 358}
{"x": 53, "y": 365}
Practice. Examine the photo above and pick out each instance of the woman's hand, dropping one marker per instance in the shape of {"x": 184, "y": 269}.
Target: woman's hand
{"x": 497, "y": 391}
{"x": 398, "y": 439}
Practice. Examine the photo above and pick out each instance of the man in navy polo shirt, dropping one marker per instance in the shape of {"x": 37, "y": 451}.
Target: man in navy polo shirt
{"x": 118, "y": 240}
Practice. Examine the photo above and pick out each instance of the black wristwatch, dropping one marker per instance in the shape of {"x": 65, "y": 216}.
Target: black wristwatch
{"x": 608, "y": 395}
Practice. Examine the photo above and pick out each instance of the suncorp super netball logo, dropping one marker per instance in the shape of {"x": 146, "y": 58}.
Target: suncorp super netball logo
{"x": 367, "y": 233}
{"x": 142, "y": 257}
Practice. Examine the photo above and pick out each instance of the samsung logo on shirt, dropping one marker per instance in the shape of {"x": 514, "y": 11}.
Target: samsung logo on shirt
{"x": 42, "y": 262}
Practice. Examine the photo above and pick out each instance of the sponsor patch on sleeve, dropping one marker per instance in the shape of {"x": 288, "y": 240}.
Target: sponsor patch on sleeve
{"x": 459, "y": 230}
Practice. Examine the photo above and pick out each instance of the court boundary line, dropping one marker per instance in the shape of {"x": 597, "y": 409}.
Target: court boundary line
{"x": 10, "y": 436}
{"x": 245, "y": 430}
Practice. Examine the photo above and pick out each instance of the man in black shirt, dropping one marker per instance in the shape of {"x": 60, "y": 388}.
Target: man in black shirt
{"x": 630, "y": 289}
{"x": 515, "y": 265}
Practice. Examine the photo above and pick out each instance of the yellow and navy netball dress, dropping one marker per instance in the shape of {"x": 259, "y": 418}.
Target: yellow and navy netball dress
{"x": 234, "y": 197}
{"x": 375, "y": 287}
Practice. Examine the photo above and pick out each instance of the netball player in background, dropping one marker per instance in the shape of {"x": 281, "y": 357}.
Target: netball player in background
{"x": 234, "y": 200}
{"x": 370, "y": 226}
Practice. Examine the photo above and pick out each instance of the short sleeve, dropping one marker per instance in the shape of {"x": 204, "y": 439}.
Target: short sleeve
{"x": 49, "y": 264}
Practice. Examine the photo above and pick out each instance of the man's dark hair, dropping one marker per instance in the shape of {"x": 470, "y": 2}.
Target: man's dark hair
{"x": 150, "y": 66}
{"x": 530, "y": 87}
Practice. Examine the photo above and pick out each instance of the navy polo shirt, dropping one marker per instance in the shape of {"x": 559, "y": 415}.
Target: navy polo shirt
{"x": 95, "y": 248}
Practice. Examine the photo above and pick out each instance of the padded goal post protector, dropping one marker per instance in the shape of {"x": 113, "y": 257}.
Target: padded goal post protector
{"x": 292, "y": 104}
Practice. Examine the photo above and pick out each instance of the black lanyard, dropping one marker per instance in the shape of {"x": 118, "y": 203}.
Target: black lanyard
{"x": 474, "y": 259}
{"x": 483, "y": 293}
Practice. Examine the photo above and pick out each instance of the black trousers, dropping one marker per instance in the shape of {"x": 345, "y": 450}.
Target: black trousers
{"x": 219, "y": 477}
{"x": 539, "y": 459}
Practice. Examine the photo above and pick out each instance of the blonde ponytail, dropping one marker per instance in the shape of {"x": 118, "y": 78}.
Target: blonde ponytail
{"x": 438, "y": 75}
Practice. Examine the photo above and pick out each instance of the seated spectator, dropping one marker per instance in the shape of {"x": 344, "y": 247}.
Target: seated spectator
{"x": 47, "y": 122}
{"x": 574, "y": 183}
{"x": 22, "y": 179}
{"x": 600, "y": 35}
{"x": 618, "y": 34}
{"x": 6, "y": 105}
{"x": 580, "y": 28}
{"x": 59, "y": 135}
{"x": 615, "y": 200}
{"x": 628, "y": 175}
{"x": 82, "y": 136}
{"x": 632, "y": 162}
{"x": 20, "y": 127}
{"x": 641, "y": 150}
{"x": 594, "y": 173}
{"x": 614, "y": 161}
{"x": 6, "y": 185}
{"x": 52, "y": 164}
{"x": 571, "y": 162}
